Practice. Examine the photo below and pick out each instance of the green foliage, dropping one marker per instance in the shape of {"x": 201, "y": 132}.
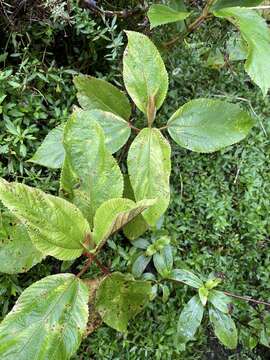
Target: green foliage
{"x": 159, "y": 14}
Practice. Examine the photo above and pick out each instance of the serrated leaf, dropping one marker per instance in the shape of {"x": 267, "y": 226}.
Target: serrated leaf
{"x": 149, "y": 167}
{"x": 186, "y": 277}
{"x": 17, "y": 252}
{"x": 120, "y": 298}
{"x": 51, "y": 152}
{"x": 140, "y": 265}
{"x": 138, "y": 225}
{"x": 47, "y": 322}
{"x": 56, "y": 227}
{"x": 116, "y": 130}
{"x": 219, "y": 300}
{"x": 160, "y": 14}
{"x": 189, "y": 320}
{"x": 113, "y": 214}
{"x": 255, "y": 32}
{"x": 144, "y": 72}
{"x": 205, "y": 125}
{"x": 96, "y": 93}
{"x": 92, "y": 175}
{"x": 222, "y": 4}
{"x": 224, "y": 327}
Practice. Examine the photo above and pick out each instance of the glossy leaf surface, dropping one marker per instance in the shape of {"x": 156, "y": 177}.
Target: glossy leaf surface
{"x": 149, "y": 168}
{"x": 205, "y": 125}
{"x": 160, "y": 14}
{"x": 144, "y": 72}
{"x": 219, "y": 300}
{"x": 222, "y": 4}
{"x": 186, "y": 277}
{"x": 47, "y": 322}
{"x": 99, "y": 94}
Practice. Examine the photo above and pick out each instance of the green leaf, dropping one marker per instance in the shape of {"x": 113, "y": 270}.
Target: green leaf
{"x": 221, "y": 4}
{"x": 138, "y": 225}
{"x": 17, "y": 253}
{"x": 255, "y": 32}
{"x": 51, "y": 152}
{"x": 113, "y": 214}
{"x": 159, "y": 14}
{"x": 139, "y": 265}
{"x": 116, "y": 129}
{"x": 144, "y": 72}
{"x": 149, "y": 168}
{"x": 120, "y": 298}
{"x": 95, "y": 174}
{"x": 219, "y": 300}
{"x": 98, "y": 94}
{"x": 224, "y": 327}
{"x": 189, "y": 320}
{"x": 55, "y": 226}
{"x": 203, "y": 294}
{"x": 205, "y": 125}
{"x": 48, "y": 320}
{"x": 186, "y": 277}
{"x": 163, "y": 261}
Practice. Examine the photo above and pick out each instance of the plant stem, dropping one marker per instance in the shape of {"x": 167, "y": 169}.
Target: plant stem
{"x": 134, "y": 127}
{"x": 163, "y": 128}
{"x": 246, "y": 298}
{"x": 193, "y": 26}
{"x": 87, "y": 265}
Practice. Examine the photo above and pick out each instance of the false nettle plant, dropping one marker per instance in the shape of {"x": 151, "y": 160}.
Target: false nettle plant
{"x": 51, "y": 317}
{"x": 243, "y": 14}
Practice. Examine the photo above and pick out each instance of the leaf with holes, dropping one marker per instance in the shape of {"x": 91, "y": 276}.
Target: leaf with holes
{"x": 120, "y": 298}
{"x": 205, "y": 125}
{"x": 51, "y": 152}
{"x": 55, "y": 226}
{"x": 96, "y": 93}
{"x": 144, "y": 72}
{"x": 48, "y": 320}
{"x": 17, "y": 252}
{"x": 149, "y": 167}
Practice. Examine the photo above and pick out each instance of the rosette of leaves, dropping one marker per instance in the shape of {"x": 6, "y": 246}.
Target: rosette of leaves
{"x": 201, "y": 125}
{"x": 243, "y": 15}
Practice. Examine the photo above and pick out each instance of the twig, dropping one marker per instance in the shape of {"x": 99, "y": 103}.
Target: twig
{"x": 103, "y": 268}
{"x": 87, "y": 265}
{"x": 193, "y": 26}
{"x": 134, "y": 127}
{"x": 246, "y": 298}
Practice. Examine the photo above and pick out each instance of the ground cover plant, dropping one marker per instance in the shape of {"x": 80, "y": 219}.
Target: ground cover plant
{"x": 155, "y": 247}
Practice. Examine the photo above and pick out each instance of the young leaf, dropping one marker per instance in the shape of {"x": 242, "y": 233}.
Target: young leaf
{"x": 139, "y": 265}
{"x": 48, "y": 320}
{"x": 222, "y": 4}
{"x": 98, "y": 175}
{"x": 144, "y": 72}
{"x": 219, "y": 300}
{"x": 205, "y": 125}
{"x": 224, "y": 327}
{"x": 190, "y": 319}
{"x": 186, "y": 277}
{"x": 96, "y": 93}
{"x": 163, "y": 261}
{"x": 51, "y": 152}
{"x": 116, "y": 129}
{"x": 113, "y": 214}
{"x": 255, "y": 32}
{"x": 17, "y": 253}
{"x": 149, "y": 168}
{"x": 55, "y": 226}
{"x": 120, "y": 298}
{"x": 160, "y": 14}
{"x": 138, "y": 225}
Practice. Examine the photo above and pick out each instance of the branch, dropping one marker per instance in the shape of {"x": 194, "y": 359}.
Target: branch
{"x": 125, "y": 13}
{"x": 246, "y": 298}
